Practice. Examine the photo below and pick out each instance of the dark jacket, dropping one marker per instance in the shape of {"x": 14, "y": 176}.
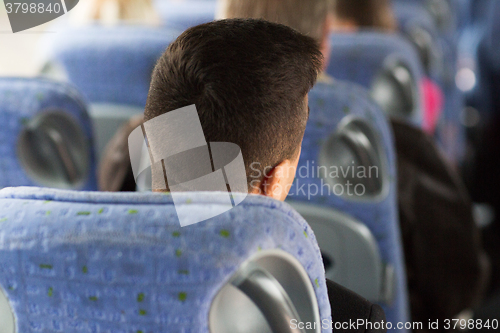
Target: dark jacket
{"x": 348, "y": 306}
{"x": 446, "y": 266}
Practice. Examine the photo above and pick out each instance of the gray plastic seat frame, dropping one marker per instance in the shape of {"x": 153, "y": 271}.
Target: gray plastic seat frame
{"x": 349, "y": 244}
{"x": 395, "y": 69}
{"x": 268, "y": 291}
{"x": 53, "y": 150}
{"x": 356, "y": 136}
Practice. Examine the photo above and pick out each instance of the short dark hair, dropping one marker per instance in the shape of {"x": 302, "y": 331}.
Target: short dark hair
{"x": 248, "y": 79}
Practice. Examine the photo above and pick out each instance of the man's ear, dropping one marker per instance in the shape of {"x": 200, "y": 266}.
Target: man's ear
{"x": 279, "y": 180}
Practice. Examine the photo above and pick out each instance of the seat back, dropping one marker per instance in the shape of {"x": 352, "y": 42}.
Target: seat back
{"x": 79, "y": 262}
{"x": 46, "y": 137}
{"x": 112, "y": 68}
{"x": 386, "y": 64}
{"x": 347, "y": 167}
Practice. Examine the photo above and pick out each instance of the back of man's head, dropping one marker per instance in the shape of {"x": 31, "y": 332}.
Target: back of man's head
{"x": 248, "y": 79}
{"x": 306, "y": 16}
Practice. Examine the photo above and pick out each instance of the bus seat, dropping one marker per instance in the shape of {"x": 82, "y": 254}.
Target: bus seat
{"x": 347, "y": 131}
{"x": 96, "y": 261}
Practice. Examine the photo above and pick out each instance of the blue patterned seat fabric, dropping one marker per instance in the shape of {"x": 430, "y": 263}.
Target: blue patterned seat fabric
{"x": 105, "y": 262}
{"x": 22, "y": 99}
{"x": 109, "y": 64}
{"x": 359, "y": 57}
{"x": 329, "y": 105}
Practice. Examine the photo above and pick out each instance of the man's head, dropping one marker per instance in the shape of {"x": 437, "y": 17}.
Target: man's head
{"x": 309, "y": 17}
{"x": 249, "y": 80}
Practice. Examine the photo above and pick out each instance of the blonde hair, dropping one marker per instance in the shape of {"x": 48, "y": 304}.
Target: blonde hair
{"x": 376, "y": 14}
{"x": 112, "y": 12}
{"x": 306, "y": 16}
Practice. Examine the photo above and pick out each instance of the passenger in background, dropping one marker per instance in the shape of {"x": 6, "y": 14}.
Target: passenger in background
{"x": 311, "y": 17}
{"x": 115, "y": 12}
{"x": 350, "y": 16}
